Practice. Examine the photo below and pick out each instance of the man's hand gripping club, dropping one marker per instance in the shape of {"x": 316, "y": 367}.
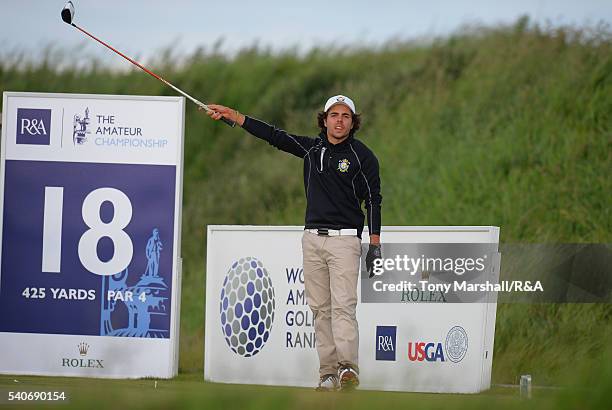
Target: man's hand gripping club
{"x": 217, "y": 112}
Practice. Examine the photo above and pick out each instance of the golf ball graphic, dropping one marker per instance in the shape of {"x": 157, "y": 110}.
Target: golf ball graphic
{"x": 247, "y": 307}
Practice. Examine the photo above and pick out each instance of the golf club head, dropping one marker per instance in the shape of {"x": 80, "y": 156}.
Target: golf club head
{"x": 68, "y": 13}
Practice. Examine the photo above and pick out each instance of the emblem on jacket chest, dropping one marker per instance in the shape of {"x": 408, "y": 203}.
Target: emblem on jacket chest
{"x": 343, "y": 165}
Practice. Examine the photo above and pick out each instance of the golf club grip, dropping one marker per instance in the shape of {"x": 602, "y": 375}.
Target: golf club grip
{"x": 228, "y": 122}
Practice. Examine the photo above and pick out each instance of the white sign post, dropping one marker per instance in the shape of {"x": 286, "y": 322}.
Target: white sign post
{"x": 259, "y": 329}
{"x": 90, "y": 218}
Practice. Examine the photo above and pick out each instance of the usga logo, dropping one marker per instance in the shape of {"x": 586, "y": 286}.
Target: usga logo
{"x": 83, "y": 349}
{"x": 455, "y": 348}
{"x": 419, "y": 351}
{"x": 33, "y": 126}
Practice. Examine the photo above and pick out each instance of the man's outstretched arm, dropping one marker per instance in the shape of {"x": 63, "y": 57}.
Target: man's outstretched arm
{"x": 281, "y": 139}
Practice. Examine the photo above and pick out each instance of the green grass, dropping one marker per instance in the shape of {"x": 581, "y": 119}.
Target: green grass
{"x": 190, "y": 391}
{"x": 508, "y": 126}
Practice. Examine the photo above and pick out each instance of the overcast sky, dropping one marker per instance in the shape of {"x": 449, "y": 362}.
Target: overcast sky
{"x": 141, "y": 28}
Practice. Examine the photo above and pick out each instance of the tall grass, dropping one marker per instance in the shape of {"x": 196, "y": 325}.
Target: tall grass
{"x": 507, "y": 126}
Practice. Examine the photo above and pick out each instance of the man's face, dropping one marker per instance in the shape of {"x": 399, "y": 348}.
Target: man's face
{"x": 339, "y": 122}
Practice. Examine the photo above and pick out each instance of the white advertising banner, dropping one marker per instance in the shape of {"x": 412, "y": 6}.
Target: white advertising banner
{"x": 90, "y": 218}
{"x": 259, "y": 329}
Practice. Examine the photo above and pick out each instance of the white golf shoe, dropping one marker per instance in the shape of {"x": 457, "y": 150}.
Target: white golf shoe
{"x": 328, "y": 382}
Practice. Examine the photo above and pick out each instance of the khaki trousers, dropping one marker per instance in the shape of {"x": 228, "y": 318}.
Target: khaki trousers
{"x": 331, "y": 269}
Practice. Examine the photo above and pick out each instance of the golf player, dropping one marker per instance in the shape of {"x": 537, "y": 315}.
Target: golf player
{"x": 340, "y": 173}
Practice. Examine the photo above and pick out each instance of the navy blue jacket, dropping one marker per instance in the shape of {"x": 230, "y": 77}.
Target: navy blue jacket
{"x": 337, "y": 178}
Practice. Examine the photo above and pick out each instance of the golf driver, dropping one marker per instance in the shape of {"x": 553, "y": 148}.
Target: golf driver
{"x": 68, "y": 17}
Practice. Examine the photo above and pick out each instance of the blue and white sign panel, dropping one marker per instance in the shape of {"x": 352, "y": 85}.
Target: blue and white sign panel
{"x": 260, "y": 330}
{"x": 90, "y": 234}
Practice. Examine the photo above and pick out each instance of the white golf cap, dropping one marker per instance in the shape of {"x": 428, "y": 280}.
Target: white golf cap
{"x": 340, "y": 99}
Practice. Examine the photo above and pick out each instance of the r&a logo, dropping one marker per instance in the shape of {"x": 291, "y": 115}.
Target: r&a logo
{"x": 385, "y": 342}
{"x": 33, "y": 126}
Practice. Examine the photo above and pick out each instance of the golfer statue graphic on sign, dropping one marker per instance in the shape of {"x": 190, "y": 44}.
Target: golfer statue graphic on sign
{"x": 154, "y": 248}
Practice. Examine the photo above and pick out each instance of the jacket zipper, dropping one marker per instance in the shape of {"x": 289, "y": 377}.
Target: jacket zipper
{"x": 322, "y": 154}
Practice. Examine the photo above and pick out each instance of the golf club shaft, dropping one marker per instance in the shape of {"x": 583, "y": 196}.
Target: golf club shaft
{"x": 199, "y": 103}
